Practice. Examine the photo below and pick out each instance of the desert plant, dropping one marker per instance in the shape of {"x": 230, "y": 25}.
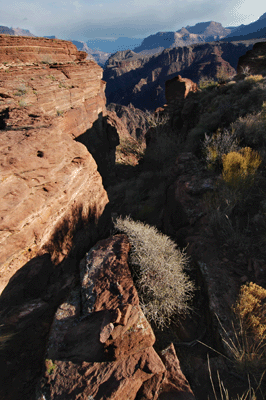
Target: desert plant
{"x": 156, "y": 119}
{"x": 254, "y": 78}
{"x": 59, "y": 113}
{"x": 239, "y": 168}
{"x": 158, "y": 269}
{"x": 246, "y": 70}
{"x": 247, "y": 346}
{"x": 22, "y": 103}
{"x": 21, "y": 90}
{"x": 129, "y": 151}
{"x": 207, "y": 83}
{"x": 50, "y": 366}
{"x": 215, "y": 146}
{"x": 251, "y": 129}
{"x": 251, "y": 310}
{"x": 163, "y": 145}
{"x": 223, "y": 393}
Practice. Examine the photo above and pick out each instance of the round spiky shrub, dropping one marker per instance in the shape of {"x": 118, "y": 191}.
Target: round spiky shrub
{"x": 158, "y": 269}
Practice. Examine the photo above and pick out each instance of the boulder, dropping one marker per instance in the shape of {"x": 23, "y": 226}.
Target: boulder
{"x": 100, "y": 344}
{"x": 177, "y": 89}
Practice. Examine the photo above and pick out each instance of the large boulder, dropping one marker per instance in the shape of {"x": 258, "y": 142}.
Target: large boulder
{"x": 177, "y": 89}
{"x": 101, "y": 345}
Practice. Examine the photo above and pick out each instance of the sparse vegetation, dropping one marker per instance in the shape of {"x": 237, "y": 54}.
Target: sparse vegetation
{"x": 207, "y": 83}
{"x": 21, "y": 91}
{"x": 223, "y": 393}
{"x": 52, "y": 77}
{"x": 129, "y": 151}
{"x": 158, "y": 268}
{"x": 50, "y": 366}
{"x": 221, "y": 107}
{"x": 163, "y": 143}
{"x": 247, "y": 346}
{"x": 239, "y": 168}
{"x": 47, "y": 60}
{"x": 219, "y": 144}
{"x": 22, "y": 103}
{"x": 251, "y": 310}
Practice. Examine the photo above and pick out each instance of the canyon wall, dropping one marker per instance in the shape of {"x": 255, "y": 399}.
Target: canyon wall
{"x": 138, "y": 79}
{"x": 49, "y": 96}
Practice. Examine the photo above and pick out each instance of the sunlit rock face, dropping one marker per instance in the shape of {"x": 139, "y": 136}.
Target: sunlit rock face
{"x": 50, "y": 186}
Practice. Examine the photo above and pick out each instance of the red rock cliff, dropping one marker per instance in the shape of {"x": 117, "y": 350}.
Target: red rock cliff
{"x": 49, "y": 182}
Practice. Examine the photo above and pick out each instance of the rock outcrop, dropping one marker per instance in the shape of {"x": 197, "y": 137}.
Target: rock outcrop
{"x": 32, "y": 49}
{"x": 134, "y": 78}
{"x": 101, "y": 345}
{"x": 134, "y": 119}
{"x": 253, "y": 62}
{"x": 49, "y": 185}
{"x": 177, "y": 89}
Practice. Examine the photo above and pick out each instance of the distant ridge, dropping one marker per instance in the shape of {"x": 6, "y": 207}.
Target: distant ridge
{"x": 99, "y": 56}
{"x": 200, "y": 33}
{"x": 15, "y": 31}
{"x": 255, "y": 30}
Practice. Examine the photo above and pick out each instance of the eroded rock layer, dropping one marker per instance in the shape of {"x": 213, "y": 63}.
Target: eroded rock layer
{"x": 49, "y": 182}
{"x": 34, "y": 49}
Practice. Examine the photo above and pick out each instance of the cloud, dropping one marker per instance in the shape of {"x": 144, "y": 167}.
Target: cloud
{"x": 84, "y": 19}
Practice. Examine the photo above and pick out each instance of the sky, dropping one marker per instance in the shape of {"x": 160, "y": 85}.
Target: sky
{"x": 103, "y": 19}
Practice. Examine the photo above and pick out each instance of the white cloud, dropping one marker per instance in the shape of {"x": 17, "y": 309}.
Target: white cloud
{"x": 81, "y": 19}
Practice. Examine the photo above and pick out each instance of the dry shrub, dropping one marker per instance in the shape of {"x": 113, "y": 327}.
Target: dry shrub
{"x": 251, "y": 309}
{"x": 247, "y": 346}
{"x": 254, "y": 78}
{"x": 215, "y": 146}
{"x": 129, "y": 151}
{"x": 158, "y": 269}
{"x": 239, "y": 168}
{"x": 251, "y": 129}
{"x": 207, "y": 83}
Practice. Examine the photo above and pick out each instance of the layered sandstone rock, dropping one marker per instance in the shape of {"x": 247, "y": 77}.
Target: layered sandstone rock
{"x": 49, "y": 185}
{"x": 101, "y": 345}
{"x": 20, "y": 49}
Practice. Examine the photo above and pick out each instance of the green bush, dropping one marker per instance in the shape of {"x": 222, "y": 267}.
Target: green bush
{"x": 158, "y": 269}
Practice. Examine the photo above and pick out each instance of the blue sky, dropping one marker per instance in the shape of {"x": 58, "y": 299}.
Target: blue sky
{"x": 88, "y": 19}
